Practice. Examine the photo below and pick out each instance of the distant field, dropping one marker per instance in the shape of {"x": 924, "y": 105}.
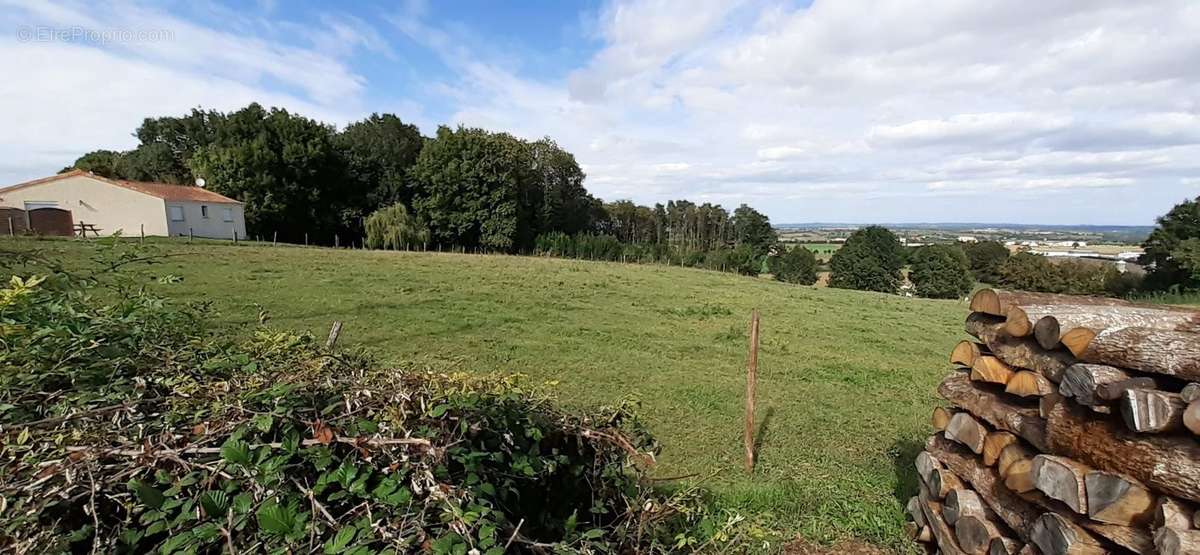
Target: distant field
{"x": 824, "y": 251}
{"x": 846, "y": 382}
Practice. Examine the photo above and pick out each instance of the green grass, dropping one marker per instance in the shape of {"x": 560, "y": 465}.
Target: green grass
{"x": 846, "y": 379}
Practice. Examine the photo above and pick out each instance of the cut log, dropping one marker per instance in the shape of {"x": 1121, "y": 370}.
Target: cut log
{"x": 937, "y": 525}
{"x": 1190, "y": 393}
{"x": 942, "y": 483}
{"x": 994, "y": 409}
{"x": 1191, "y": 417}
{"x": 990, "y": 369}
{"x": 1157, "y": 351}
{"x": 1100, "y": 318}
{"x": 996, "y": 302}
{"x": 963, "y": 502}
{"x": 1028, "y": 384}
{"x": 1046, "y": 402}
{"x": 1173, "y": 513}
{"x": 1019, "y": 476}
{"x": 1047, "y": 332}
{"x": 1011, "y": 454}
{"x": 914, "y": 510}
{"x": 1062, "y": 479}
{"x": 994, "y": 444}
{"x": 1080, "y": 381}
{"x": 1167, "y": 464}
{"x": 964, "y": 429}
{"x": 1020, "y": 511}
{"x": 965, "y": 353}
{"x": 941, "y": 417}
{"x": 926, "y": 465}
{"x": 1173, "y": 541}
{"x": 1017, "y": 352}
{"x": 1077, "y": 340}
{"x": 1118, "y": 499}
{"x": 913, "y": 531}
{"x": 1055, "y": 535}
{"x": 1152, "y": 411}
{"x": 1110, "y": 392}
{"x": 975, "y": 534}
{"x": 1005, "y": 546}
{"x": 1014, "y": 511}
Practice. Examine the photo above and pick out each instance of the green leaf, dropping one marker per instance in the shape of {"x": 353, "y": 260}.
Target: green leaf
{"x": 236, "y": 452}
{"x": 214, "y": 503}
{"x": 439, "y": 410}
{"x": 274, "y": 518}
{"x": 147, "y": 494}
{"x": 338, "y": 543}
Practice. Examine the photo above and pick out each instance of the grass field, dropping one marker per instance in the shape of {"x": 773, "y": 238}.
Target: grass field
{"x": 846, "y": 382}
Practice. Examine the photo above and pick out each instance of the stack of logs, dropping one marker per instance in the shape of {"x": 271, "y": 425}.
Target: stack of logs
{"x": 1072, "y": 429}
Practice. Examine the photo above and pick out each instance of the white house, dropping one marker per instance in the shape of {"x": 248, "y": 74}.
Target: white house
{"x": 131, "y": 207}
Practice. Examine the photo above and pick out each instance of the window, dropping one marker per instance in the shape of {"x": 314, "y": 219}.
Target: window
{"x": 227, "y": 214}
{"x": 204, "y": 211}
{"x": 176, "y": 213}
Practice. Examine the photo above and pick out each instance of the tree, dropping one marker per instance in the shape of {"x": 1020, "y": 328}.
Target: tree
{"x": 940, "y": 272}
{"x": 870, "y": 260}
{"x": 477, "y": 188}
{"x": 1030, "y": 272}
{"x": 284, "y": 167}
{"x": 378, "y": 152}
{"x": 565, "y": 204}
{"x": 795, "y": 265}
{"x": 394, "y": 228}
{"x": 1168, "y": 252}
{"x": 753, "y": 228}
{"x": 986, "y": 259}
{"x": 104, "y": 163}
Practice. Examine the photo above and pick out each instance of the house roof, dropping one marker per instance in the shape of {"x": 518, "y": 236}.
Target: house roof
{"x": 165, "y": 191}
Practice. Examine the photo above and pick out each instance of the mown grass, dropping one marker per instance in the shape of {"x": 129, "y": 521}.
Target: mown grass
{"x": 846, "y": 379}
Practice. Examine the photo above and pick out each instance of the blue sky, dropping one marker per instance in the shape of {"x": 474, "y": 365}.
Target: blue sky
{"x": 839, "y": 110}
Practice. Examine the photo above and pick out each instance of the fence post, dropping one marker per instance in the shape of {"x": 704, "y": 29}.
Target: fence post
{"x": 306, "y": 238}
{"x": 11, "y": 233}
{"x": 274, "y": 236}
{"x": 235, "y": 236}
{"x": 190, "y": 235}
{"x": 142, "y": 232}
{"x": 751, "y": 382}
{"x": 336, "y": 241}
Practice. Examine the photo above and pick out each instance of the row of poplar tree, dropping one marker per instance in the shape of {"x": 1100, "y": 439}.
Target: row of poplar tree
{"x": 464, "y": 188}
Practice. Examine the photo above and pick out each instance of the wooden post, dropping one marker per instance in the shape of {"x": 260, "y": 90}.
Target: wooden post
{"x": 334, "y": 332}
{"x": 306, "y": 238}
{"x": 751, "y": 382}
{"x": 142, "y": 232}
{"x": 336, "y": 241}
{"x": 235, "y": 236}
{"x": 10, "y": 227}
{"x": 190, "y": 235}
{"x": 274, "y": 236}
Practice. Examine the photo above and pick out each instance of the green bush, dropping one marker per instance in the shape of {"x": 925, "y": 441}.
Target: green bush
{"x": 155, "y": 434}
{"x": 986, "y": 259}
{"x": 1030, "y": 272}
{"x": 394, "y": 228}
{"x": 870, "y": 260}
{"x": 940, "y": 272}
{"x": 795, "y": 265}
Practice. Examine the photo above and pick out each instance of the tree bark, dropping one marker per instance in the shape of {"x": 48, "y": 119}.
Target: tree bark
{"x": 1062, "y": 479}
{"x": 975, "y": 534}
{"x": 996, "y": 302}
{"x": 1170, "y": 353}
{"x": 1110, "y": 392}
{"x": 1191, "y": 392}
{"x": 1005, "y": 546}
{"x": 1080, "y": 381}
{"x": 914, "y": 510}
{"x": 1168, "y": 464}
{"x": 995, "y": 409}
{"x": 1172, "y": 513}
{"x": 1028, "y": 384}
{"x": 1098, "y": 318}
{"x": 942, "y": 483}
{"x": 1191, "y": 417}
{"x": 1174, "y": 541}
{"x": 1152, "y": 411}
{"x": 1118, "y": 499}
{"x": 1018, "y": 352}
{"x": 942, "y": 532}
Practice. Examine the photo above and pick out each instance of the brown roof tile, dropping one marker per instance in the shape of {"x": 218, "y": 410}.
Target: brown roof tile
{"x": 165, "y": 191}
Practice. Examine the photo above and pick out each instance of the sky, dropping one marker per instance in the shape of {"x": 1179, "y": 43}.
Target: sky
{"x": 1021, "y": 111}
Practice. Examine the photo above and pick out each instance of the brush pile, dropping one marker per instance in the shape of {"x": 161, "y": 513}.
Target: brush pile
{"x": 1072, "y": 429}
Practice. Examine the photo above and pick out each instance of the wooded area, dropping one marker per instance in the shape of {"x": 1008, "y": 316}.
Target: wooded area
{"x": 1056, "y": 453}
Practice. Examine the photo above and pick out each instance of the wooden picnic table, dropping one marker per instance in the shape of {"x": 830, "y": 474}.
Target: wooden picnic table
{"x": 81, "y": 230}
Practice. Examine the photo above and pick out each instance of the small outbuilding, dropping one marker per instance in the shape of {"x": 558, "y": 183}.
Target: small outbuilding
{"x": 131, "y": 207}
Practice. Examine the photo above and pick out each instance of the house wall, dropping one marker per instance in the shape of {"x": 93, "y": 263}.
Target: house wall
{"x": 214, "y": 226}
{"x": 108, "y": 207}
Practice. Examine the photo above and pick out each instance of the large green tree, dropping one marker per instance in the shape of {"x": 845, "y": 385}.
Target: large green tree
{"x": 379, "y": 151}
{"x": 940, "y": 272}
{"x": 1030, "y": 272}
{"x": 870, "y": 260}
{"x": 476, "y": 188}
{"x": 1170, "y": 249}
{"x": 986, "y": 259}
{"x": 753, "y": 228}
{"x": 795, "y": 265}
{"x": 563, "y": 203}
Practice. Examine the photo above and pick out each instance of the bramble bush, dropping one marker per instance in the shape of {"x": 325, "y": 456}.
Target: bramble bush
{"x": 130, "y": 426}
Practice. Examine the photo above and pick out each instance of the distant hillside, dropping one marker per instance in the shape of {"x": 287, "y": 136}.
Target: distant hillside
{"x": 1125, "y": 233}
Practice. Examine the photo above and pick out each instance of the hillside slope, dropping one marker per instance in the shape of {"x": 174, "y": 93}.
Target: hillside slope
{"x": 845, "y": 380}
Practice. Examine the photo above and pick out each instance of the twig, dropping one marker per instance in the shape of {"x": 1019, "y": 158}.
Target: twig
{"x": 83, "y": 414}
{"x": 516, "y": 531}
{"x": 620, "y": 442}
{"x": 316, "y": 505}
{"x": 357, "y": 442}
{"x": 228, "y": 532}
{"x": 92, "y": 503}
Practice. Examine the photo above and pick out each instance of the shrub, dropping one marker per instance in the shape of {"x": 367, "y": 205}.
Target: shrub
{"x": 940, "y": 272}
{"x": 870, "y": 260}
{"x": 1030, "y": 272}
{"x": 795, "y": 265}
{"x": 986, "y": 259}
{"x": 394, "y": 228}
{"x": 205, "y": 442}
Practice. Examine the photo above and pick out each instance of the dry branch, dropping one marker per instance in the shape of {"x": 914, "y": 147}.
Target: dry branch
{"x": 1166, "y": 352}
